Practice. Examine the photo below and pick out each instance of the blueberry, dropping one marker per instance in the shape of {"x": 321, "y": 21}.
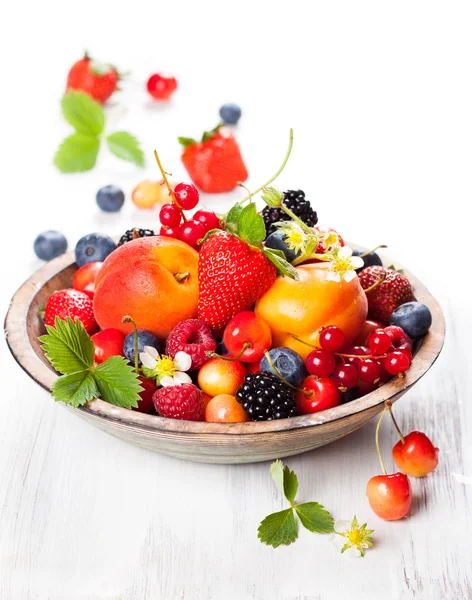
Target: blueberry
{"x": 145, "y": 338}
{"x": 276, "y": 241}
{"x": 49, "y": 245}
{"x": 230, "y": 114}
{"x": 371, "y": 260}
{"x": 413, "y": 317}
{"x": 289, "y": 364}
{"x": 93, "y": 247}
{"x": 110, "y": 198}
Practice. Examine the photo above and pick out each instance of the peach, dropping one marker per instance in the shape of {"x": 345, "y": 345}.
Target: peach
{"x": 152, "y": 279}
{"x": 303, "y": 307}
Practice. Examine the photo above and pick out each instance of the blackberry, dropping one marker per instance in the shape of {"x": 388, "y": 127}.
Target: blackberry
{"x": 133, "y": 234}
{"x": 265, "y": 397}
{"x": 294, "y": 200}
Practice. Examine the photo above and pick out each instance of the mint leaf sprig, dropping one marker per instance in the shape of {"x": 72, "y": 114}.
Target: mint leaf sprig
{"x": 79, "y": 151}
{"x": 70, "y": 350}
{"x": 281, "y": 528}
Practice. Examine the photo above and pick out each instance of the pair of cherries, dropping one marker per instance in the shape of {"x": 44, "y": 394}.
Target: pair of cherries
{"x": 390, "y": 495}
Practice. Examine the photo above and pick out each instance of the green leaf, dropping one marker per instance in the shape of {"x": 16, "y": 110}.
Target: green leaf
{"x": 251, "y": 226}
{"x": 290, "y": 485}
{"x": 277, "y": 257}
{"x": 278, "y": 529}
{"x": 118, "y": 382}
{"x": 185, "y": 141}
{"x": 207, "y": 235}
{"x": 277, "y": 472}
{"x": 75, "y": 389}
{"x": 68, "y": 346}
{"x": 77, "y": 153}
{"x": 232, "y": 218}
{"x": 207, "y": 135}
{"x": 126, "y": 146}
{"x": 315, "y": 517}
{"x": 83, "y": 113}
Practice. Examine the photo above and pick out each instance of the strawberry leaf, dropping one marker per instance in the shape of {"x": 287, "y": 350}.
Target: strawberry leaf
{"x": 125, "y": 146}
{"x": 232, "y": 218}
{"x": 118, "y": 382}
{"x": 315, "y": 517}
{"x": 185, "y": 141}
{"x": 77, "y": 153}
{"x": 278, "y": 529}
{"x": 207, "y": 135}
{"x": 83, "y": 113}
{"x": 251, "y": 226}
{"x": 277, "y": 257}
{"x": 75, "y": 389}
{"x": 68, "y": 346}
{"x": 290, "y": 485}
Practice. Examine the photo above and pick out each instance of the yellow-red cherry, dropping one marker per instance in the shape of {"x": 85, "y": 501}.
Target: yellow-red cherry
{"x": 246, "y": 328}
{"x": 390, "y": 496}
{"x": 417, "y": 455}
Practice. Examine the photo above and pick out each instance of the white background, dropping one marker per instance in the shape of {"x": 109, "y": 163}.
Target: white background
{"x": 380, "y": 97}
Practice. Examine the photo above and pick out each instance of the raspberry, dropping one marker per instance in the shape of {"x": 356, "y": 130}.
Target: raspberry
{"x": 193, "y": 337}
{"x": 184, "y": 402}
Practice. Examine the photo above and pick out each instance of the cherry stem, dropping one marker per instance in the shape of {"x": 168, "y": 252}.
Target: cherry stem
{"x": 378, "y": 282}
{"x": 399, "y": 431}
{"x": 281, "y": 168}
{"x": 246, "y": 345}
{"x": 171, "y": 191}
{"x": 363, "y": 356}
{"x": 373, "y": 250}
{"x": 303, "y": 342}
{"x": 308, "y": 393}
{"x": 387, "y": 406}
{"x": 128, "y": 319}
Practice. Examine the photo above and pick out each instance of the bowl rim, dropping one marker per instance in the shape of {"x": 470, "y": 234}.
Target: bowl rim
{"x": 18, "y": 339}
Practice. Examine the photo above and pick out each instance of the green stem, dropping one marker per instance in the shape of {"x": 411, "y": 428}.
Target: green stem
{"x": 373, "y": 250}
{"x": 281, "y": 168}
{"x": 377, "y": 437}
{"x": 246, "y": 345}
{"x": 308, "y": 393}
{"x": 294, "y": 217}
{"x": 396, "y": 424}
{"x": 322, "y": 257}
{"x": 303, "y": 342}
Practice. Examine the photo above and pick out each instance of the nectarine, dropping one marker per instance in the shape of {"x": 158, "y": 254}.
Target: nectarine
{"x": 302, "y": 307}
{"x": 152, "y": 279}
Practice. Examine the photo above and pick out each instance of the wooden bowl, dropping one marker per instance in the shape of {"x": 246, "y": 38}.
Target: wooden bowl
{"x": 199, "y": 441}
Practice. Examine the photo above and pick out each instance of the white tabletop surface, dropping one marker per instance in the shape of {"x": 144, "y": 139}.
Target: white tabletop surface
{"x": 380, "y": 98}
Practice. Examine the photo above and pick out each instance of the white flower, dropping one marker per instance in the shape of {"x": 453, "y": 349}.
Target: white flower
{"x": 167, "y": 370}
{"x": 350, "y": 538}
{"x": 344, "y": 265}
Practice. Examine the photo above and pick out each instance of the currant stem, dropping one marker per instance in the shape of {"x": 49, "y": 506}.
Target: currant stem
{"x": 378, "y": 282}
{"x": 373, "y": 250}
{"x": 246, "y": 345}
{"x": 128, "y": 319}
{"x": 377, "y": 437}
{"x": 396, "y": 424}
{"x": 308, "y": 393}
{"x": 171, "y": 191}
{"x": 281, "y": 168}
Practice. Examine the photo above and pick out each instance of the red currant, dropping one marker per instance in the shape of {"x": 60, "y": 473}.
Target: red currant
{"x": 357, "y": 351}
{"x": 379, "y": 342}
{"x": 170, "y": 215}
{"x": 207, "y": 218}
{"x": 345, "y": 376}
{"x": 161, "y": 88}
{"x": 406, "y": 351}
{"x": 187, "y": 195}
{"x": 191, "y": 233}
{"x": 369, "y": 370}
{"x": 320, "y": 363}
{"x": 396, "y": 362}
{"x": 331, "y": 338}
{"x": 172, "y": 232}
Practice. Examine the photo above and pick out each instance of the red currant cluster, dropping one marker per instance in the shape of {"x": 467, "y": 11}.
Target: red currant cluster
{"x": 176, "y": 225}
{"x": 388, "y": 352}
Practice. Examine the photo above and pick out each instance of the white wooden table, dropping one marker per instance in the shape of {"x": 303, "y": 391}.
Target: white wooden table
{"x": 379, "y": 96}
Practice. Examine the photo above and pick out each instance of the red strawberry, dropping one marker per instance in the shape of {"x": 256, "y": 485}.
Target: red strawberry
{"x": 92, "y": 78}
{"x": 232, "y": 275}
{"x": 70, "y": 303}
{"x": 183, "y": 402}
{"x": 215, "y": 164}
{"x": 394, "y": 290}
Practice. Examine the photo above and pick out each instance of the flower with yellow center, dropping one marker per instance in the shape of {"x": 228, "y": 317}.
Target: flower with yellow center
{"x": 295, "y": 238}
{"x": 351, "y": 538}
{"x": 168, "y": 371}
{"x": 343, "y": 265}
{"x": 330, "y": 239}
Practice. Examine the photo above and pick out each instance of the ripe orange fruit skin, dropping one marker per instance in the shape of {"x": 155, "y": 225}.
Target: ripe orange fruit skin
{"x": 303, "y": 307}
{"x": 225, "y": 409}
{"x": 218, "y": 376}
{"x": 138, "y": 279}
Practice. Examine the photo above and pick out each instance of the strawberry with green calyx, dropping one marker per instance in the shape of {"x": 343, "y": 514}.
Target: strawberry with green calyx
{"x": 386, "y": 290}
{"x": 96, "y": 79}
{"x": 215, "y": 163}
